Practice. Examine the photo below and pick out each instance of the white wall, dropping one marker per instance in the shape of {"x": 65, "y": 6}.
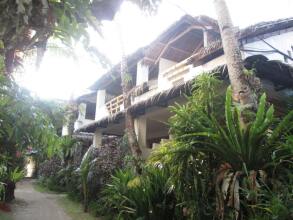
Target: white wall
{"x": 283, "y": 42}
{"x": 101, "y": 110}
{"x": 81, "y": 120}
{"x": 142, "y": 73}
{"x": 195, "y": 71}
{"x": 164, "y": 64}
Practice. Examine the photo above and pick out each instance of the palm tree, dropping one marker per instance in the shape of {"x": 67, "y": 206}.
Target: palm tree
{"x": 242, "y": 89}
{"x": 126, "y": 84}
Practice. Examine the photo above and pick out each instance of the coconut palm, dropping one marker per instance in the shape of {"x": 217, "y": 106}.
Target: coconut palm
{"x": 242, "y": 89}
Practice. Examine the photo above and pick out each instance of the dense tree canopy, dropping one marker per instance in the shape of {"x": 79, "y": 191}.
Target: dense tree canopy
{"x": 27, "y": 25}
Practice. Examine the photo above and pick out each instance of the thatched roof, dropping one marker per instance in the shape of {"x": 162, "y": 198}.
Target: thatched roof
{"x": 83, "y": 136}
{"x": 189, "y": 30}
{"x": 158, "y": 99}
{"x": 151, "y": 52}
{"x": 114, "y": 73}
{"x": 184, "y": 47}
{"x": 266, "y": 27}
{"x": 279, "y": 73}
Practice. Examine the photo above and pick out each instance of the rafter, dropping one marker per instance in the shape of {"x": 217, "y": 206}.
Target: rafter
{"x": 177, "y": 38}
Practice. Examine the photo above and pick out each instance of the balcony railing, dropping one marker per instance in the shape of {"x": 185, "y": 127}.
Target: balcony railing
{"x": 115, "y": 105}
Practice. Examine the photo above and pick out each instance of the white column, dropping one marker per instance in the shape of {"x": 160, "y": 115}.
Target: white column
{"x": 205, "y": 38}
{"x": 142, "y": 74}
{"x": 101, "y": 110}
{"x": 81, "y": 111}
{"x": 140, "y": 126}
{"x": 97, "y": 141}
{"x": 163, "y": 82}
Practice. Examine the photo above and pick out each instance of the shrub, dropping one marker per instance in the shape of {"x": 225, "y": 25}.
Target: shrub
{"x": 148, "y": 196}
{"x": 220, "y": 163}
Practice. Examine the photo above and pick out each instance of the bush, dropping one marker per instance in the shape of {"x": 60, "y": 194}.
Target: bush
{"x": 237, "y": 168}
{"x": 148, "y": 196}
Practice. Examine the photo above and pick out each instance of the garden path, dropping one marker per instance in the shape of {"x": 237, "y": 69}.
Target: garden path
{"x": 33, "y": 205}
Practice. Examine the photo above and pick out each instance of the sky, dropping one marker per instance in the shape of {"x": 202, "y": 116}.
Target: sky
{"x": 61, "y": 76}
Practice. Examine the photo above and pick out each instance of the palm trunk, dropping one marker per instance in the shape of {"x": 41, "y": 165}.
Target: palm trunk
{"x": 242, "y": 90}
{"x": 129, "y": 120}
{"x": 71, "y": 116}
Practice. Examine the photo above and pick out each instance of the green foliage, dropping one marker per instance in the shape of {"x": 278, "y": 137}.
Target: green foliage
{"x": 28, "y": 25}
{"x": 249, "y": 145}
{"x": 84, "y": 171}
{"x": 212, "y": 155}
{"x": 25, "y": 125}
{"x": 16, "y": 175}
{"x": 148, "y": 196}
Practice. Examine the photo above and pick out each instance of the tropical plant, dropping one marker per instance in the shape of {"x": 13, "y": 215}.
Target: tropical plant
{"x": 16, "y": 175}
{"x": 226, "y": 163}
{"x": 24, "y": 126}
{"x": 84, "y": 171}
{"x": 148, "y": 196}
{"x": 27, "y": 26}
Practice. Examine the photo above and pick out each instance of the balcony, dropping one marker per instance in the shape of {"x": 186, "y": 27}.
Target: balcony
{"x": 176, "y": 73}
{"x": 115, "y": 105}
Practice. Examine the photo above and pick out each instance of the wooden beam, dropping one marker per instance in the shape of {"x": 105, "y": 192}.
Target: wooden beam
{"x": 179, "y": 50}
{"x": 177, "y": 38}
{"x": 197, "y": 48}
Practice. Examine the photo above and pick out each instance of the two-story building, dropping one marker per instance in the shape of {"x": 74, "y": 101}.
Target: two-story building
{"x": 162, "y": 71}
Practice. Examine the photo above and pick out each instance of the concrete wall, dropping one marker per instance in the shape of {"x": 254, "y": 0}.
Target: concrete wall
{"x": 282, "y": 41}
{"x": 163, "y": 83}
{"x": 101, "y": 110}
{"x": 140, "y": 126}
{"x": 81, "y": 120}
{"x": 195, "y": 71}
{"x": 142, "y": 73}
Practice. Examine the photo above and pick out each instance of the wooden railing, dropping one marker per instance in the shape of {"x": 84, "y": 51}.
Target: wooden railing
{"x": 114, "y": 105}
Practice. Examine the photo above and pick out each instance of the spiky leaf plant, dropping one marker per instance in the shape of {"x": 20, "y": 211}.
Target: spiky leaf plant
{"x": 234, "y": 157}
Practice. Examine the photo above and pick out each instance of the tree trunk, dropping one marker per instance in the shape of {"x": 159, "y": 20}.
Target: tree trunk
{"x": 129, "y": 120}
{"x": 8, "y": 61}
{"x": 71, "y": 116}
{"x": 242, "y": 89}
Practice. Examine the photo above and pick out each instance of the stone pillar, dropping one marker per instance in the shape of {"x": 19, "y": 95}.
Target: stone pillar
{"x": 97, "y": 141}
{"x": 140, "y": 126}
{"x": 101, "y": 110}
{"x": 142, "y": 73}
